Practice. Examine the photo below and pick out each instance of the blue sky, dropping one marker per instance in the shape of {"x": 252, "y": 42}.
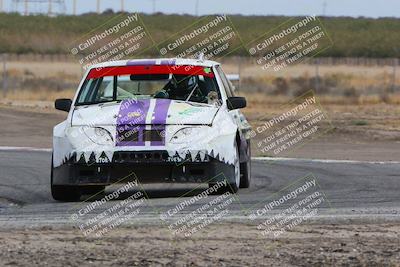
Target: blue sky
{"x": 355, "y": 8}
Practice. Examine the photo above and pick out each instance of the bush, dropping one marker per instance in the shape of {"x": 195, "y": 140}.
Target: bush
{"x": 352, "y": 37}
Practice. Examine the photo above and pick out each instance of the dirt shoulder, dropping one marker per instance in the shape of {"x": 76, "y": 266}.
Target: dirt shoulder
{"x": 28, "y": 126}
{"x": 222, "y": 245}
{"x": 375, "y": 140}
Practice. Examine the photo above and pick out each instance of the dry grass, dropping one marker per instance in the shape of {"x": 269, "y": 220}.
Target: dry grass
{"x": 45, "y": 69}
{"x": 363, "y": 117}
{"x": 39, "y": 95}
{"x": 260, "y": 99}
{"x": 340, "y": 84}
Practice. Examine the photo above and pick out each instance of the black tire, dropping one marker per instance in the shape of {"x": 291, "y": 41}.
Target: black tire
{"x": 231, "y": 187}
{"x": 245, "y": 170}
{"x": 64, "y": 193}
{"x": 93, "y": 190}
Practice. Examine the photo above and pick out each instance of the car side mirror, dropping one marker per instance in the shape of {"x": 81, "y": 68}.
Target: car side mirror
{"x": 236, "y": 102}
{"x": 63, "y": 104}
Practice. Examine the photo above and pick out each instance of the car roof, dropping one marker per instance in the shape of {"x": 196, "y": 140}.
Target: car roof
{"x": 157, "y": 61}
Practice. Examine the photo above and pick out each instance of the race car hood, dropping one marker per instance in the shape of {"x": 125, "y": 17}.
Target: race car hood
{"x": 141, "y": 112}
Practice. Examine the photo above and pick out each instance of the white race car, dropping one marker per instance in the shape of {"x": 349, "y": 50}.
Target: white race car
{"x": 152, "y": 121}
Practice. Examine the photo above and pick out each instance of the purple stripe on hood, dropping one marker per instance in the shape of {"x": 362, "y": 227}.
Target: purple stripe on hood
{"x": 161, "y": 111}
{"x": 131, "y": 121}
{"x": 159, "y": 120}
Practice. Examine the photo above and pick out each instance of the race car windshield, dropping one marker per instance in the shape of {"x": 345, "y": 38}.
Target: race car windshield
{"x": 200, "y": 87}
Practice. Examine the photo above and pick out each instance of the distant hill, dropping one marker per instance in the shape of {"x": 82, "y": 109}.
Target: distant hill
{"x": 352, "y": 37}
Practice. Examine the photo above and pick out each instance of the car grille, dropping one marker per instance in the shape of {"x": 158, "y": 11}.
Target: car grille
{"x": 139, "y": 156}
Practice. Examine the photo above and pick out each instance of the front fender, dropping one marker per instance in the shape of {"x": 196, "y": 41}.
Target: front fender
{"x": 62, "y": 147}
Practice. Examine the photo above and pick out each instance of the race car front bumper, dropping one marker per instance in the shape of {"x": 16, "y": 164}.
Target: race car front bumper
{"x": 143, "y": 167}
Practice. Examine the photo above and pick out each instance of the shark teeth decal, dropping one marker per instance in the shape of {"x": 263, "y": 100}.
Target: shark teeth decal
{"x": 109, "y": 155}
{"x": 193, "y": 155}
{"x": 182, "y": 154}
{"x": 87, "y": 156}
{"x": 91, "y": 157}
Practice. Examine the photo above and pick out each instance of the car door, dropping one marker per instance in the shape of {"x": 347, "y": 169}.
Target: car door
{"x": 237, "y": 116}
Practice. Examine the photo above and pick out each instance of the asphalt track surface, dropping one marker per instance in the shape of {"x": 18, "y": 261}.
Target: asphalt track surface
{"x": 356, "y": 191}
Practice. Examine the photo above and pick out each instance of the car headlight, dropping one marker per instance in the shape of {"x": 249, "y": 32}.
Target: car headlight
{"x": 99, "y": 136}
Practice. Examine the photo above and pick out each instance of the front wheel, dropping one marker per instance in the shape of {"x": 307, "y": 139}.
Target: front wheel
{"x": 63, "y": 192}
{"x": 232, "y": 187}
{"x": 245, "y": 169}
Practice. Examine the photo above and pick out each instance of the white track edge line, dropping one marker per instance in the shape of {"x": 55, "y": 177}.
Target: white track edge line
{"x": 323, "y": 160}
